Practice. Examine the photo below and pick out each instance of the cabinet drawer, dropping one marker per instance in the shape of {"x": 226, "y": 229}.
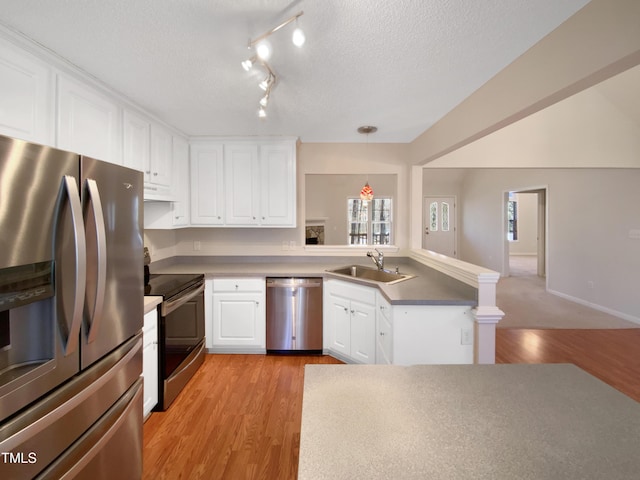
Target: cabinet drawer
{"x": 238, "y": 284}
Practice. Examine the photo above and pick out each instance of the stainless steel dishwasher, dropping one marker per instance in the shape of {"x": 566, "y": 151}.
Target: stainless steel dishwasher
{"x": 294, "y": 315}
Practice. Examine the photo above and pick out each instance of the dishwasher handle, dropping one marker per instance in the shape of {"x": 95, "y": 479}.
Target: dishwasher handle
{"x": 294, "y": 282}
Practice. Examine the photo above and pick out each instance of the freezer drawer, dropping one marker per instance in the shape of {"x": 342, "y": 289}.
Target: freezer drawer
{"x": 294, "y": 315}
{"x": 43, "y": 432}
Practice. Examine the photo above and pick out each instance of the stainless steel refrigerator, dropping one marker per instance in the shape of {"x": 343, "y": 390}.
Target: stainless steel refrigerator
{"x": 71, "y": 313}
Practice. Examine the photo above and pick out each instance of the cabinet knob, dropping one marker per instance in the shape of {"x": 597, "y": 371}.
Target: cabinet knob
{"x": 346, "y": 309}
{"x": 147, "y": 172}
{"x": 352, "y": 312}
{"x": 382, "y": 334}
{"x": 155, "y": 174}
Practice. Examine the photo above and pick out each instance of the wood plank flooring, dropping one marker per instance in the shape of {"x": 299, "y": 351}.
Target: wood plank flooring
{"x": 239, "y": 417}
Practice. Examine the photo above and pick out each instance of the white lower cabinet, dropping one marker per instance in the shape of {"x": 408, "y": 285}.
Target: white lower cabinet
{"x": 238, "y": 315}
{"x": 350, "y": 321}
{"x": 361, "y": 326}
{"x": 150, "y": 361}
{"x": 384, "y": 331}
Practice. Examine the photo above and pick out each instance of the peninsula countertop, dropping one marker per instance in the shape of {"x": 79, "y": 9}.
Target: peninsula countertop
{"x": 428, "y": 287}
{"x": 465, "y": 422}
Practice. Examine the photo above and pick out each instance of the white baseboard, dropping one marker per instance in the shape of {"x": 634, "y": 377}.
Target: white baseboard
{"x": 595, "y": 306}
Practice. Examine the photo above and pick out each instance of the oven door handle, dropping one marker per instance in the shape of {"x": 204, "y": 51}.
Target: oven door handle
{"x": 171, "y": 305}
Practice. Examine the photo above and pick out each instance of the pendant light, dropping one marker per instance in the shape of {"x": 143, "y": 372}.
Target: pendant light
{"x": 366, "y": 193}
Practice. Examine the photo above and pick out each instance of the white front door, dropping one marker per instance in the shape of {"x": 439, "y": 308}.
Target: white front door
{"x": 439, "y": 223}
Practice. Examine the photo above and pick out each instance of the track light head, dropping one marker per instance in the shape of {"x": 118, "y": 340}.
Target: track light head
{"x": 298, "y": 37}
{"x": 262, "y": 113}
{"x": 263, "y": 50}
{"x": 248, "y": 63}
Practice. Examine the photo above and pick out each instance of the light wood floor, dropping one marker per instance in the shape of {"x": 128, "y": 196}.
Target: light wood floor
{"x": 239, "y": 417}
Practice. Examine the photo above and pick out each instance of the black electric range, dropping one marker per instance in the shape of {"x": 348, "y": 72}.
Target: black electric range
{"x": 180, "y": 331}
{"x": 169, "y": 285}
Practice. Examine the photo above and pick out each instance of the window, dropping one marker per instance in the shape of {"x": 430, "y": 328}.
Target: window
{"x": 369, "y": 222}
{"x": 512, "y": 219}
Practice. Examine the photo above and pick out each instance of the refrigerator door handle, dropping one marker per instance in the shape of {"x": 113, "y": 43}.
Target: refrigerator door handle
{"x": 70, "y": 188}
{"x": 101, "y": 236}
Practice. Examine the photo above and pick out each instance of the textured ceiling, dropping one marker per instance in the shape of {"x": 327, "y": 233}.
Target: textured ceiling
{"x": 400, "y": 65}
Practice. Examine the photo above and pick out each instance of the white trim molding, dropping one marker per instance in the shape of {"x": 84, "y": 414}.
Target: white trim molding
{"x": 487, "y": 314}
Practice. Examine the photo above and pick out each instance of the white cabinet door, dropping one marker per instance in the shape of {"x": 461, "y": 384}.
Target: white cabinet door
{"x": 207, "y": 184}
{"x": 161, "y": 157}
{"x": 278, "y": 185}
{"x": 241, "y": 170}
{"x": 180, "y": 207}
{"x": 88, "y": 122}
{"x": 384, "y": 332}
{"x": 136, "y": 135}
{"x": 150, "y": 361}
{"x": 363, "y": 325}
{"x": 238, "y": 320}
{"x": 27, "y": 96}
{"x": 339, "y": 319}
{"x": 208, "y": 313}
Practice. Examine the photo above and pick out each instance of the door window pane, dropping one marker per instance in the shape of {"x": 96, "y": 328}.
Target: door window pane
{"x": 445, "y": 217}
{"x": 433, "y": 216}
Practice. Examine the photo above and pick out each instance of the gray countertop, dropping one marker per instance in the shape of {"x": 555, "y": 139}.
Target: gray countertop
{"x": 428, "y": 287}
{"x": 465, "y": 422}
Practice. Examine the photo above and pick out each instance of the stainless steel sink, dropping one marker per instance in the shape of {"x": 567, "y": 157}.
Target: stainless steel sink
{"x": 370, "y": 273}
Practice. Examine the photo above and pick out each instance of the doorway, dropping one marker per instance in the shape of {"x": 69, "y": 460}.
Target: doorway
{"x": 439, "y": 225}
{"x": 526, "y": 244}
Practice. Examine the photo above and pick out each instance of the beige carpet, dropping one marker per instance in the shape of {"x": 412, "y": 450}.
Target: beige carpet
{"x": 526, "y": 304}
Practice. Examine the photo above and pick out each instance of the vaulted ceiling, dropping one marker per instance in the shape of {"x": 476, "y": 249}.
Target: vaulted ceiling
{"x": 400, "y": 65}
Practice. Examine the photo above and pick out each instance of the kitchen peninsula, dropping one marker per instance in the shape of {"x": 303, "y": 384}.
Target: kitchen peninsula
{"x": 438, "y": 314}
{"x": 465, "y": 421}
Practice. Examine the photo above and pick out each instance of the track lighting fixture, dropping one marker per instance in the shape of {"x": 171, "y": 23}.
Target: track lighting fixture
{"x": 262, "y": 53}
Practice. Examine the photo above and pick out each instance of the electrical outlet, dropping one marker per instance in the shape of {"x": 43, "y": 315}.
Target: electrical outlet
{"x": 590, "y": 284}
{"x": 466, "y": 336}
{"x": 285, "y": 245}
{"x": 196, "y": 246}
{"x": 292, "y": 245}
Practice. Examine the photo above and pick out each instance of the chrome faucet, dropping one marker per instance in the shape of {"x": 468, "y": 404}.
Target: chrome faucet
{"x": 378, "y": 260}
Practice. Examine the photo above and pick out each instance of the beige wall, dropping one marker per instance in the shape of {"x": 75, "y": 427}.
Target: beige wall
{"x": 590, "y": 129}
{"x": 599, "y": 41}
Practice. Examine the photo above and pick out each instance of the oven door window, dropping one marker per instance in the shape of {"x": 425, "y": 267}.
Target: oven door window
{"x": 183, "y": 331}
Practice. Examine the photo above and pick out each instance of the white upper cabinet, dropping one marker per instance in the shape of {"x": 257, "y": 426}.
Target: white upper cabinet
{"x": 88, "y": 122}
{"x": 180, "y": 207}
{"x": 242, "y": 201}
{"x": 26, "y": 96}
{"x": 207, "y": 183}
{"x": 149, "y": 148}
{"x": 278, "y": 185}
{"x": 243, "y": 183}
{"x": 136, "y": 139}
{"x": 161, "y": 157}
